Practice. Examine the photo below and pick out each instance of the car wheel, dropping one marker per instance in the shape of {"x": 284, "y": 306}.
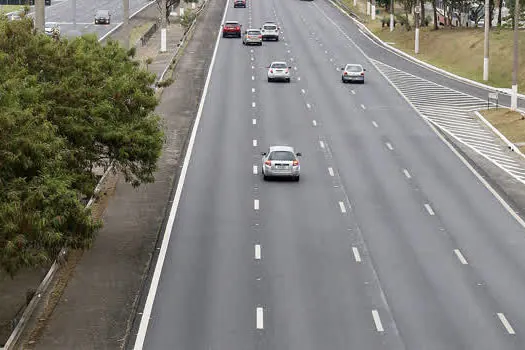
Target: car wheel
{"x": 343, "y": 80}
{"x": 269, "y": 80}
{"x": 296, "y": 179}
{"x": 277, "y": 39}
{"x": 287, "y": 80}
{"x": 260, "y": 44}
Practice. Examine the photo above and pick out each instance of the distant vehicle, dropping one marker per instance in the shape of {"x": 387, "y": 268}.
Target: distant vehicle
{"x": 252, "y": 36}
{"x": 46, "y": 2}
{"x": 353, "y": 72}
{"x": 52, "y": 29}
{"x": 14, "y": 17}
{"x": 281, "y": 161}
{"x": 102, "y": 17}
{"x": 279, "y": 71}
{"x": 239, "y": 3}
{"x": 270, "y": 30}
{"x": 231, "y": 28}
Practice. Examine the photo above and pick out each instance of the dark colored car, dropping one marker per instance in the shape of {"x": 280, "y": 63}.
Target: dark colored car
{"x": 231, "y": 28}
{"x": 239, "y": 3}
{"x": 32, "y": 2}
{"x": 102, "y": 17}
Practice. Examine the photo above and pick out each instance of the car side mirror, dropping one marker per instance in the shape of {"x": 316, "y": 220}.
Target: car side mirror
{"x": 289, "y": 67}
{"x": 298, "y": 154}
{"x": 343, "y": 68}
{"x": 267, "y": 66}
{"x": 364, "y": 70}
{"x": 263, "y": 154}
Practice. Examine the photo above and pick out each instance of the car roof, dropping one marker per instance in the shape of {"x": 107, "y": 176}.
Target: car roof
{"x": 270, "y": 22}
{"x": 102, "y": 11}
{"x": 255, "y": 29}
{"x": 231, "y": 22}
{"x": 281, "y": 148}
{"x": 354, "y": 65}
{"x": 278, "y": 62}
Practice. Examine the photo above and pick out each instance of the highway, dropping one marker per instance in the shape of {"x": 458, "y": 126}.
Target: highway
{"x": 389, "y": 241}
{"x": 63, "y": 13}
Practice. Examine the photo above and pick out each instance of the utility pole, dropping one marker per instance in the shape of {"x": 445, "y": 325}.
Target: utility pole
{"x": 391, "y": 15}
{"x": 355, "y": 3}
{"x": 163, "y": 28}
{"x": 368, "y": 7}
{"x": 486, "y": 48}
{"x": 373, "y": 10}
{"x": 125, "y": 23}
{"x": 40, "y": 15}
{"x": 514, "y": 96}
{"x": 417, "y": 11}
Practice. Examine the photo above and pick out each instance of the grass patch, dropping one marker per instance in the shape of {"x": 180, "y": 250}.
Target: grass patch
{"x": 10, "y": 8}
{"x": 137, "y": 32}
{"x": 511, "y": 124}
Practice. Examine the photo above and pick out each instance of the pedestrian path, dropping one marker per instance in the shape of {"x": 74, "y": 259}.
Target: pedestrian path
{"x": 452, "y": 111}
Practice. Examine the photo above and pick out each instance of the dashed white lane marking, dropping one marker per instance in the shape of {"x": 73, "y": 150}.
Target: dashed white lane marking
{"x": 303, "y": 91}
{"x": 375, "y": 124}
{"x": 331, "y": 171}
{"x": 255, "y": 170}
{"x": 254, "y": 143}
{"x": 460, "y": 257}
{"x": 506, "y": 323}
{"x": 254, "y": 121}
{"x": 342, "y": 207}
{"x": 289, "y": 51}
{"x": 377, "y": 321}
{"x": 363, "y": 106}
{"x": 314, "y": 123}
{"x": 389, "y": 145}
{"x": 253, "y": 67}
{"x": 251, "y": 50}
{"x": 256, "y": 204}
{"x": 331, "y": 59}
{"x": 251, "y": 58}
{"x": 357, "y": 256}
{"x": 352, "y": 91}
{"x": 429, "y": 209}
{"x": 294, "y": 68}
{"x": 325, "y": 51}
{"x": 298, "y": 78}
{"x": 291, "y": 59}
{"x": 321, "y": 143}
{"x": 407, "y": 174}
{"x": 253, "y": 78}
{"x": 260, "y": 318}
{"x": 253, "y": 104}
{"x": 253, "y": 89}
{"x": 308, "y": 106}
{"x": 257, "y": 252}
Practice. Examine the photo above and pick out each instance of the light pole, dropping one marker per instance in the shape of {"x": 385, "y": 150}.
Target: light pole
{"x": 486, "y": 48}
{"x": 373, "y": 10}
{"x": 125, "y": 22}
{"x": 391, "y": 15}
{"x": 368, "y": 7}
{"x": 40, "y": 15}
{"x": 417, "y": 11}
{"x": 514, "y": 95}
{"x": 355, "y": 3}
{"x": 163, "y": 26}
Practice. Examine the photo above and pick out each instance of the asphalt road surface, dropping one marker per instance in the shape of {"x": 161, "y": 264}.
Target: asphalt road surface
{"x": 389, "y": 241}
{"x": 63, "y": 13}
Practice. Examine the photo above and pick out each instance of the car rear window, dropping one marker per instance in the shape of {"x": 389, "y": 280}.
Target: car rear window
{"x": 232, "y": 24}
{"x": 270, "y": 27}
{"x": 254, "y": 32}
{"x": 279, "y": 65}
{"x": 353, "y": 68}
{"x": 102, "y": 13}
{"x": 282, "y": 155}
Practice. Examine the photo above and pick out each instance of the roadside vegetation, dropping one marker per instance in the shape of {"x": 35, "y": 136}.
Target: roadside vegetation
{"x": 67, "y": 107}
{"x": 448, "y": 43}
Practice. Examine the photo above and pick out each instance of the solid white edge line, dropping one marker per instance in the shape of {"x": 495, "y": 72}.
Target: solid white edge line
{"x": 342, "y": 207}
{"x": 506, "y": 323}
{"x": 331, "y": 171}
{"x": 257, "y": 253}
{"x": 256, "y": 204}
{"x": 377, "y": 321}
{"x": 429, "y": 209}
{"x": 357, "y": 256}
{"x": 255, "y": 170}
{"x": 260, "y": 318}
{"x": 148, "y": 306}
{"x": 407, "y": 174}
{"x": 460, "y": 257}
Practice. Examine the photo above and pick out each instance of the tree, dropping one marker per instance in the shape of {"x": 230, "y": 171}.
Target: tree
{"x": 434, "y": 9}
{"x": 170, "y": 4}
{"x": 65, "y": 107}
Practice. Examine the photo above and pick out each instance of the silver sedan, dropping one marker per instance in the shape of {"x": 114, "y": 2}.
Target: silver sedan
{"x": 281, "y": 161}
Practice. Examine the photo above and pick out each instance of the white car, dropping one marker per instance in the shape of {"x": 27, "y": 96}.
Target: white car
{"x": 270, "y": 30}
{"x": 353, "y": 72}
{"x": 279, "y": 71}
{"x": 52, "y": 29}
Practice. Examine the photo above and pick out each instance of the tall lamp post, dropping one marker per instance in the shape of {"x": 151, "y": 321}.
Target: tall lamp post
{"x": 514, "y": 95}
{"x": 373, "y": 10}
{"x": 417, "y": 11}
{"x": 486, "y": 47}
{"x": 391, "y": 15}
{"x": 163, "y": 29}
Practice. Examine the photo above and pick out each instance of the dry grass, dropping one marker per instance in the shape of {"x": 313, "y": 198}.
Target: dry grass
{"x": 10, "y": 8}
{"x": 510, "y": 124}
{"x": 137, "y": 32}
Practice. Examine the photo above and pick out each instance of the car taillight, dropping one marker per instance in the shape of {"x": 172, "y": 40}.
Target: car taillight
{"x": 362, "y": 73}
{"x": 295, "y": 163}
{"x": 237, "y": 28}
{"x": 268, "y": 162}
{"x": 271, "y": 70}
{"x": 259, "y": 36}
{"x": 345, "y": 73}
{"x": 286, "y": 70}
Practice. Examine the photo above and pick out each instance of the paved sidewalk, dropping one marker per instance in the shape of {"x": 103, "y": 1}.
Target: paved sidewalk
{"x": 93, "y": 295}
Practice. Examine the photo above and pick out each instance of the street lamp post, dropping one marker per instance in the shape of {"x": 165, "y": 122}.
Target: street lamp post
{"x": 391, "y": 15}
{"x": 514, "y": 95}
{"x": 163, "y": 29}
{"x": 417, "y": 11}
{"x": 368, "y": 7}
{"x": 373, "y": 10}
{"x": 486, "y": 48}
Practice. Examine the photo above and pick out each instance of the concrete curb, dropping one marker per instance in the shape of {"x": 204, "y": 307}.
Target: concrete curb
{"x": 511, "y": 146}
{"x": 415, "y": 60}
{"x": 103, "y": 37}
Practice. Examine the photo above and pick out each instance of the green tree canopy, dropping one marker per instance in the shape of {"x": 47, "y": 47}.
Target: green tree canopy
{"x": 66, "y": 107}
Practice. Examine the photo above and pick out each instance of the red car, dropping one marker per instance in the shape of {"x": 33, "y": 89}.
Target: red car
{"x": 231, "y": 28}
{"x": 239, "y": 3}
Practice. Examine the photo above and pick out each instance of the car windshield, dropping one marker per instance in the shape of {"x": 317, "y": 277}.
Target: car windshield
{"x": 279, "y": 65}
{"x": 282, "y": 155}
{"x": 353, "y": 68}
{"x": 254, "y": 32}
{"x": 270, "y": 27}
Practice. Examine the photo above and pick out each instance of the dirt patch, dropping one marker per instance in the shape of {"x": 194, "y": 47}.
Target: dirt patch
{"x": 511, "y": 124}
